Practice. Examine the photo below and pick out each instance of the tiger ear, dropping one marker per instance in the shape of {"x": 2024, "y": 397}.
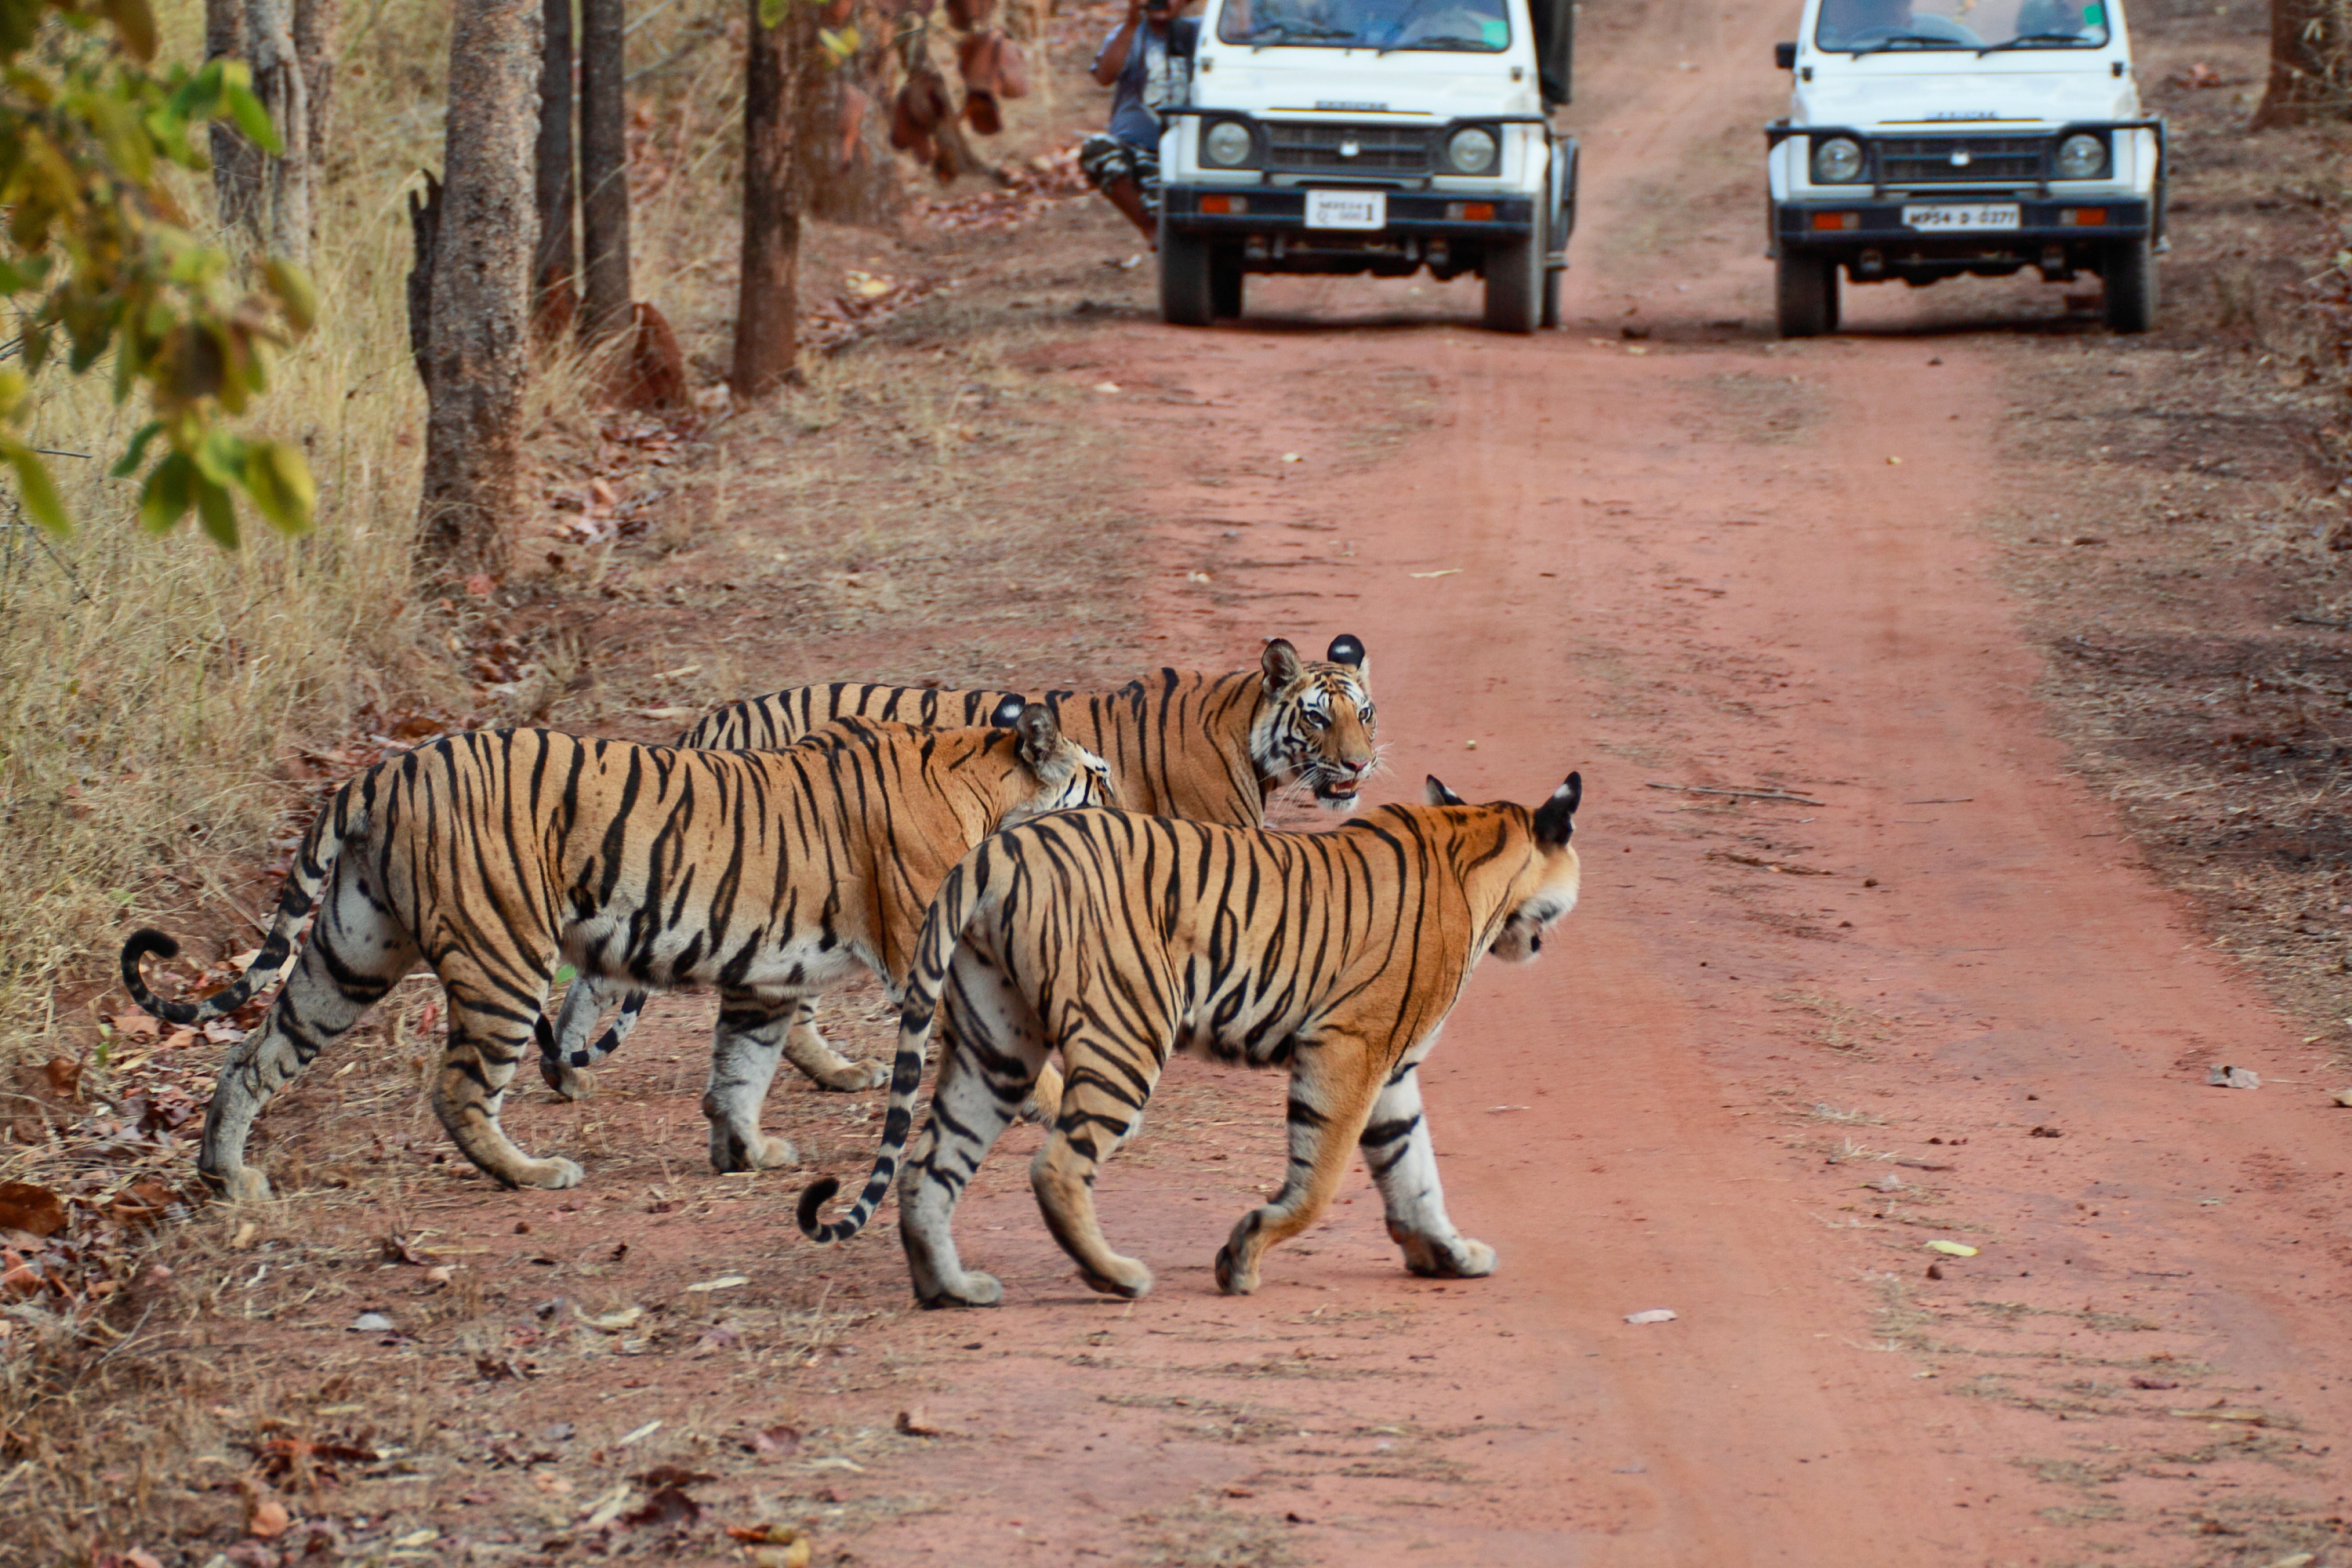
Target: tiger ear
{"x": 1007, "y": 713}
{"x": 1556, "y": 818}
{"x": 1438, "y": 795}
{"x": 1282, "y": 666}
{"x": 1347, "y": 650}
{"x": 1041, "y": 742}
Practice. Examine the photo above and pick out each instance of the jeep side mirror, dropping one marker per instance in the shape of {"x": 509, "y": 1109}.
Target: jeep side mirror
{"x": 1554, "y": 30}
{"x": 1784, "y": 55}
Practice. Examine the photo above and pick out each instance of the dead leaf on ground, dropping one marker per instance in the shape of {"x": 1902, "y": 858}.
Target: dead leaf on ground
{"x": 914, "y": 1423}
{"x": 774, "y": 1442}
{"x": 35, "y": 1210}
{"x": 667, "y": 1505}
{"x": 398, "y": 1248}
{"x": 674, "y": 1476}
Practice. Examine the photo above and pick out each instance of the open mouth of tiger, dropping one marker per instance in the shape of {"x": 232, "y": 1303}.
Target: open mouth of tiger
{"x": 1336, "y": 792}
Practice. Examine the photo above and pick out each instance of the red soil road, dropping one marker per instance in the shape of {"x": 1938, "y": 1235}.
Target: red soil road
{"x": 1688, "y": 560}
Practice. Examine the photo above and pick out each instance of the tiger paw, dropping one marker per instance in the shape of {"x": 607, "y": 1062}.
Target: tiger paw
{"x": 550, "y": 1173}
{"x": 244, "y": 1185}
{"x": 1231, "y": 1280}
{"x": 1452, "y": 1258}
{"x": 1130, "y": 1282}
{"x": 974, "y": 1289}
{"x": 568, "y": 1082}
{"x": 730, "y": 1153}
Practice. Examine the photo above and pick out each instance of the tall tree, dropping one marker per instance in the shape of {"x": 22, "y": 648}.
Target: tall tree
{"x": 316, "y": 22}
{"x": 767, "y": 305}
{"x": 277, "y": 82}
{"x": 553, "y": 305}
{"x": 237, "y": 161}
{"x": 603, "y": 167}
{"x": 479, "y": 360}
{"x": 2311, "y": 62}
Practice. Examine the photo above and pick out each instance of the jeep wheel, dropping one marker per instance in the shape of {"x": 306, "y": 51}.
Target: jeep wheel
{"x": 1225, "y": 284}
{"x": 1807, "y": 294}
{"x": 1552, "y": 297}
{"x": 1515, "y": 282}
{"x": 2129, "y": 268}
{"x": 1187, "y": 294}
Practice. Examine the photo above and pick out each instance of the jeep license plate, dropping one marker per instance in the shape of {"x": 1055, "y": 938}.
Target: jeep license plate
{"x": 1948, "y": 217}
{"x": 1347, "y": 209}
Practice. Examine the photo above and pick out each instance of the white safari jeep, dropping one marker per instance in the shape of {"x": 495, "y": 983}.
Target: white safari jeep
{"x": 1931, "y": 138}
{"x": 1378, "y": 136}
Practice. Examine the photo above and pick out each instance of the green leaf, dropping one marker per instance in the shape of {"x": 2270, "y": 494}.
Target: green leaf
{"x": 33, "y": 486}
{"x": 291, "y": 285}
{"x": 565, "y": 974}
{"x": 250, "y": 117}
{"x": 279, "y": 480}
{"x": 168, "y": 494}
{"x": 773, "y": 11}
{"x": 220, "y": 457}
{"x": 137, "y": 456}
{"x": 215, "y": 513}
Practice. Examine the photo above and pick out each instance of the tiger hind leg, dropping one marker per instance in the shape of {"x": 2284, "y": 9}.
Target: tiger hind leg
{"x": 815, "y": 1056}
{"x": 566, "y": 1055}
{"x": 1403, "y": 1164}
{"x": 1329, "y": 1105}
{"x": 487, "y": 1036}
{"x": 753, "y": 1034}
{"x": 356, "y": 953}
{"x": 1102, "y": 1102}
{"x": 985, "y": 1074}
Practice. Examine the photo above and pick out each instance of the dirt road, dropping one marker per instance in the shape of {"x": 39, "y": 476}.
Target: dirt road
{"x": 1784, "y": 1047}
{"x": 1929, "y": 995}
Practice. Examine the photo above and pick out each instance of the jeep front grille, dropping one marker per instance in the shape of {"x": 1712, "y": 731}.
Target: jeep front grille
{"x": 1959, "y": 160}
{"x": 1308, "y": 147}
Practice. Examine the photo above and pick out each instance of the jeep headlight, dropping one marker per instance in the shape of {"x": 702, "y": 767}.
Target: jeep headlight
{"x": 2082, "y": 156}
{"x": 1228, "y": 144}
{"x": 1472, "y": 150}
{"x": 1837, "y": 161}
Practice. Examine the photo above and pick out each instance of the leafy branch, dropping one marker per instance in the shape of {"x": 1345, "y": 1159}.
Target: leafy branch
{"x": 98, "y": 260}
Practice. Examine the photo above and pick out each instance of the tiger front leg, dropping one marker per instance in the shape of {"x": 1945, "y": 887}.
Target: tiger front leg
{"x": 815, "y": 1056}
{"x": 1331, "y": 1092}
{"x": 354, "y": 954}
{"x": 751, "y": 1037}
{"x": 487, "y": 1041}
{"x": 1404, "y": 1162}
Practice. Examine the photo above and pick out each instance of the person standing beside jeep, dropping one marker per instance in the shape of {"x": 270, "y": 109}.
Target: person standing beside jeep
{"x": 1146, "y": 62}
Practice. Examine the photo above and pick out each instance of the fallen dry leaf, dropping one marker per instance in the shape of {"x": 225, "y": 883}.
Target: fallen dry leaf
{"x": 667, "y": 1505}
{"x": 773, "y": 1442}
{"x": 34, "y": 1210}
{"x": 914, "y": 1423}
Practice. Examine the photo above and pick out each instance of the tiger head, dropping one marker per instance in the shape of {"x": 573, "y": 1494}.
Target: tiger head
{"x": 1544, "y": 889}
{"x": 1314, "y": 725}
{"x": 1067, "y": 775}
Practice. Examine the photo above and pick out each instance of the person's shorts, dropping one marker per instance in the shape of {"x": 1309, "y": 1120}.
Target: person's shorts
{"x": 1106, "y": 160}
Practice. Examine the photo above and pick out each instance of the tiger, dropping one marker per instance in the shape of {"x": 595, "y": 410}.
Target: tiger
{"x": 496, "y": 855}
{"x": 1118, "y": 938}
{"x": 1214, "y": 748}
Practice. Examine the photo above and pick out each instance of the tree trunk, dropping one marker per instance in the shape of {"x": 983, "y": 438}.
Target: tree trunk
{"x": 479, "y": 357}
{"x": 2311, "y": 62}
{"x": 604, "y": 168}
{"x": 315, "y": 24}
{"x": 553, "y": 305}
{"x": 277, "y": 82}
{"x": 767, "y": 305}
{"x": 237, "y": 162}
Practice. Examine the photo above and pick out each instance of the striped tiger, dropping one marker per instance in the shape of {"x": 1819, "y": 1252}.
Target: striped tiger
{"x": 494, "y": 855}
{"x": 1214, "y": 748}
{"x": 1117, "y": 940}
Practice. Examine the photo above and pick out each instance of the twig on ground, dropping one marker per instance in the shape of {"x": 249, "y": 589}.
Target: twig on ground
{"x": 1744, "y": 794}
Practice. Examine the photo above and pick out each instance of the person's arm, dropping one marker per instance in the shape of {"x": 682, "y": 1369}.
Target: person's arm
{"x": 1113, "y": 57}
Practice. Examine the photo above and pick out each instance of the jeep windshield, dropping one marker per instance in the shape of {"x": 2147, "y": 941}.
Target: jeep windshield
{"x": 1476, "y": 27}
{"x": 1979, "y": 26}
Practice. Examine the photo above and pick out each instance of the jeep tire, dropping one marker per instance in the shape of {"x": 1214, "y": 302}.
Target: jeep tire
{"x": 1805, "y": 294}
{"x": 1515, "y": 281}
{"x": 1187, "y": 290}
{"x": 2128, "y": 269}
{"x": 1225, "y": 283}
